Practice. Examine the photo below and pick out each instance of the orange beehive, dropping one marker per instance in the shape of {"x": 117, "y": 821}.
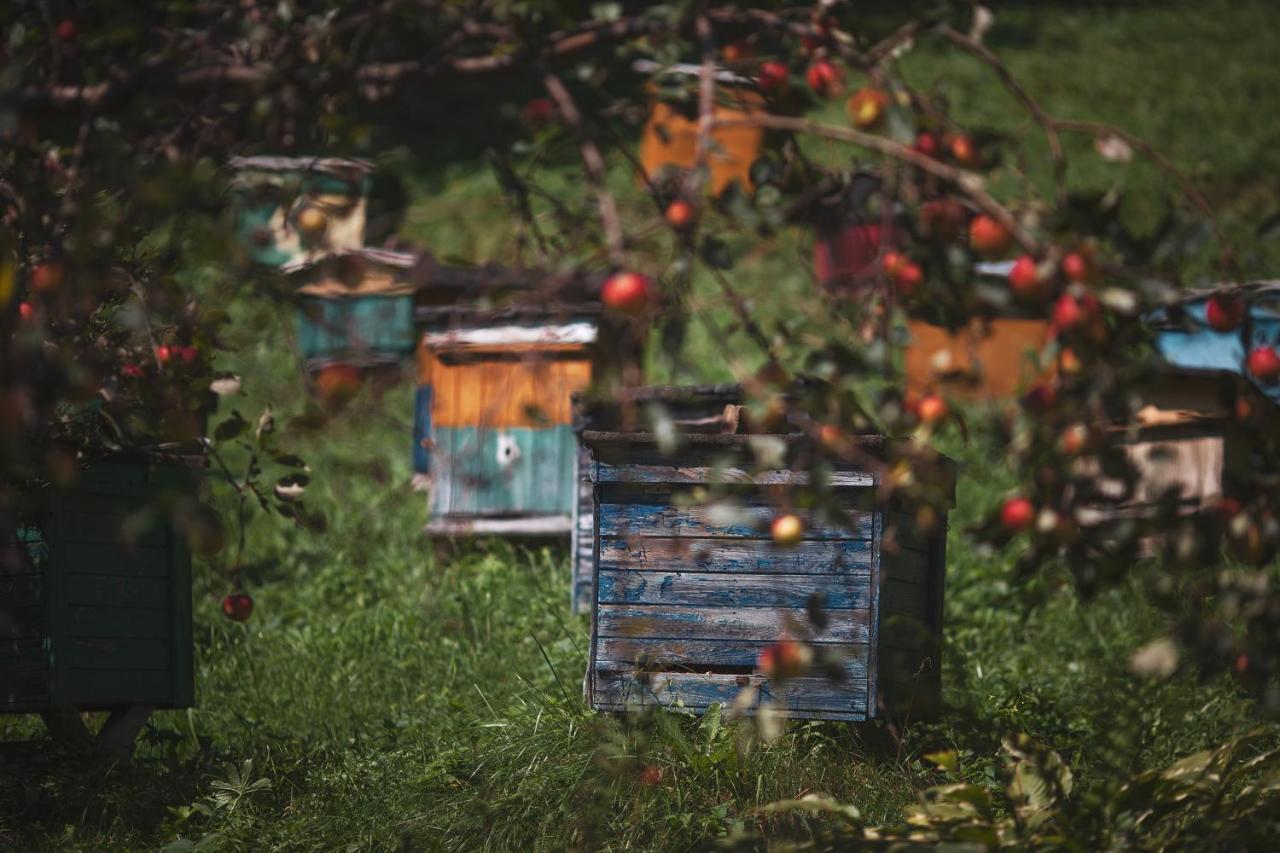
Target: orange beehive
{"x": 986, "y": 359}
{"x": 670, "y": 138}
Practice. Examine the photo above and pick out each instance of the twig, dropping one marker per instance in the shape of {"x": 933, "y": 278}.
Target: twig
{"x": 594, "y": 164}
{"x": 1099, "y": 129}
{"x": 1046, "y": 122}
{"x": 970, "y": 183}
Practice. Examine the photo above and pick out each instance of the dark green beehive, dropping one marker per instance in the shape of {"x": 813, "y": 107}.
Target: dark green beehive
{"x": 95, "y": 614}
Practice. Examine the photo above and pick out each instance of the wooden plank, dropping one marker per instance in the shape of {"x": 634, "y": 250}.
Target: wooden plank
{"x": 536, "y": 525}
{"x": 721, "y": 554}
{"x": 703, "y": 655}
{"x": 908, "y": 632}
{"x": 104, "y": 523}
{"x": 20, "y": 622}
{"x": 696, "y": 692}
{"x": 662, "y": 519}
{"x": 26, "y": 653}
{"x": 908, "y": 565}
{"x": 25, "y": 691}
{"x": 21, "y": 590}
{"x": 95, "y": 689}
{"x": 115, "y": 653}
{"x": 712, "y": 589}
{"x": 901, "y": 597}
{"x": 86, "y": 558}
{"x": 905, "y": 532}
{"x": 606, "y": 473}
{"x": 182, "y": 645}
{"x": 532, "y": 392}
{"x": 85, "y": 621}
{"x": 725, "y": 623}
{"x": 116, "y": 591}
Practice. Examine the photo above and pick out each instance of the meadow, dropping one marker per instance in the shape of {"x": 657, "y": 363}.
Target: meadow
{"x": 390, "y": 695}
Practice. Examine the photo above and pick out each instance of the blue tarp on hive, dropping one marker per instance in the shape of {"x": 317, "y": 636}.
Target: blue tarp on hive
{"x": 1184, "y": 338}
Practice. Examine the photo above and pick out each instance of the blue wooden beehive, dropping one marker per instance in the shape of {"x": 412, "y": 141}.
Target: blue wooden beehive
{"x": 686, "y": 594}
{"x": 355, "y": 307}
{"x": 1185, "y": 339}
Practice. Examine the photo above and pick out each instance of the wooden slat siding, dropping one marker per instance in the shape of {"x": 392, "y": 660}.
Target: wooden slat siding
{"x": 117, "y": 562}
{"x": 711, "y": 589}
{"x": 182, "y": 668}
{"x": 902, "y": 597}
{"x": 694, "y": 693}
{"x": 19, "y": 622}
{"x": 581, "y": 540}
{"x": 873, "y": 629}
{"x": 709, "y": 475}
{"x": 906, "y": 533}
{"x": 530, "y": 392}
{"x": 662, "y": 519}
{"x": 99, "y": 521}
{"x": 470, "y": 481}
{"x": 702, "y": 655}
{"x": 909, "y": 566}
{"x": 118, "y": 622}
{"x": 143, "y": 654}
{"x": 21, "y": 591}
{"x": 23, "y": 653}
{"x": 724, "y": 623}
{"x": 95, "y": 689}
{"x": 25, "y": 691}
{"x": 118, "y": 591}
{"x": 732, "y": 556}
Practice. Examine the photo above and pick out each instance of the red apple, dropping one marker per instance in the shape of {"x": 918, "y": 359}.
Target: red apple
{"x": 163, "y": 353}
{"x": 962, "y": 151}
{"x": 824, "y": 78}
{"x": 26, "y": 312}
{"x": 926, "y": 144}
{"x": 1242, "y": 663}
{"x": 866, "y": 108}
{"x": 1264, "y": 363}
{"x": 1074, "y": 439}
{"x": 1017, "y": 515}
{"x": 46, "y": 277}
{"x": 627, "y": 292}
{"x": 1024, "y": 278}
{"x": 1224, "y": 313}
{"x": 651, "y": 776}
{"x": 1227, "y": 507}
{"x": 905, "y": 273}
{"x": 1076, "y": 267}
{"x": 133, "y": 371}
{"x": 67, "y": 30}
{"x": 931, "y": 409}
{"x": 188, "y": 354}
{"x": 338, "y": 383}
{"x": 237, "y": 606}
{"x": 987, "y": 236}
{"x": 538, "y": 112}
{"x": 773, "y": 75}
{"x": 1040, "y": 398}
{"x": 680, "y": 214}
{"x": 787, "y": 529}
{"x": 1071, "y": 311}
{"x": 784, "y": 659}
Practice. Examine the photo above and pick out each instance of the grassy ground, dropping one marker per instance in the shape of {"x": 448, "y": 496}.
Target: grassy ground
{"x": 382, "y": 697}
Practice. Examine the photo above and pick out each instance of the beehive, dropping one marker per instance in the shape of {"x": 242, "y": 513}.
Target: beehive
{"x": 670, "y": 136}
{"x": 355, "y": 307}
{"x": 98, "y": 613}
{"x": 686, "y": 594}
{"x": 272, "y": 192}
{"x": 987, "y": 358}
{"x": 493, "y": 427}
{"x": 685, "y": 408}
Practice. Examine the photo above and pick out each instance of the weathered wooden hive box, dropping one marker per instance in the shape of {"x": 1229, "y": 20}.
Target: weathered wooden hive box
{"x": 670, "y": 136}
{"x": 355, "y": 307}
{"x": 95, "y": 614}
{"x": 699, "y": 408}
{"x": 687, "y": 594}
{"x": 1185, "y": 446}
{"x": 278, "y": 199}
{"x": 500, "y": 355}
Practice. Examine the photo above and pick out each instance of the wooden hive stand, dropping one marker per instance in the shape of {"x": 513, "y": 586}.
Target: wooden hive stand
{"x": 686, "y": 594}
{"x": 96, "y": 613}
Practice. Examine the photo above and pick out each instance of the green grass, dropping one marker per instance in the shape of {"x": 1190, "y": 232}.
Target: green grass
{"x": 393, "y": 698}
